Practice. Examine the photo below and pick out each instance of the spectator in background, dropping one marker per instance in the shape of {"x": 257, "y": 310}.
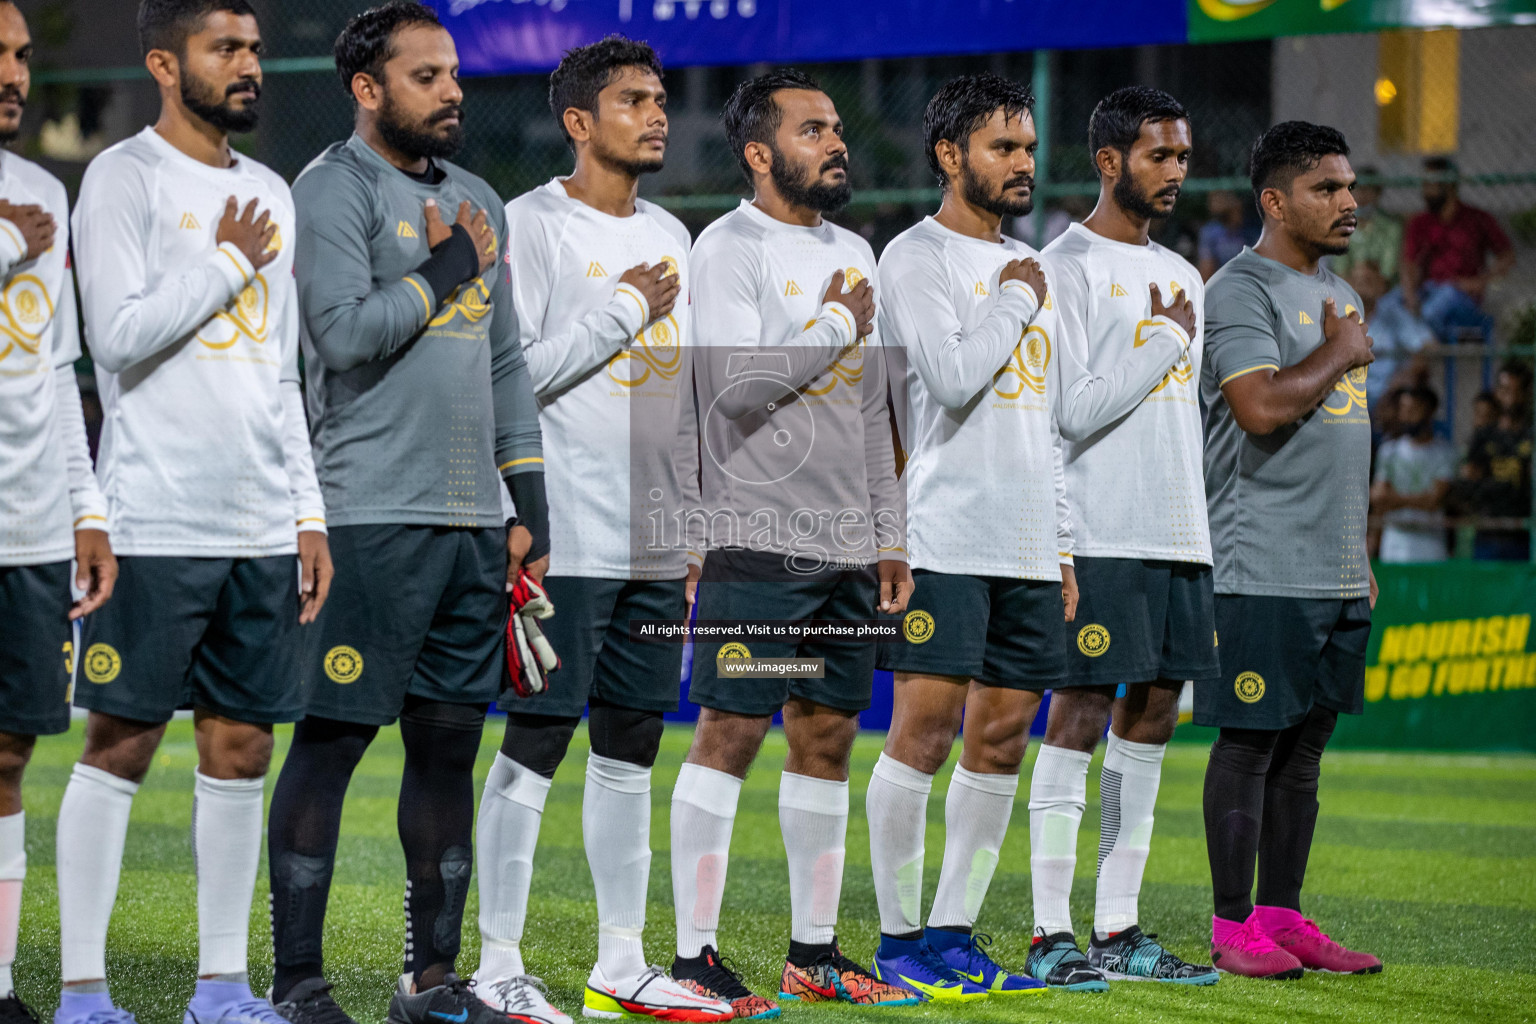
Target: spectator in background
{"x": 1497, "y": 474}
{"x": 1413, "y": 476}
{"x": 1396, "y": 334}
{"x": 1446, "y": 257}
{"x": 1485, "y": 411}
{"x": 1378, "y": 236}
{"x": 1225, "y": 234}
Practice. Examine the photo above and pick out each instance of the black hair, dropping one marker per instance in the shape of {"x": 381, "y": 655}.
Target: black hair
{"x": 166, "y": 24}
{"x": 959, "y": 109}
{"x": 367, "y": 43}
{"x": 587, "y": 70}
{"x": 751, "y": 115}
{"x": 1442, "y": 165}
{"x": 1117, "y": 120}
{"x": 1286, "y": 150}
{"x": 1518, "y": 369}
{"x": 1423, "y": 394}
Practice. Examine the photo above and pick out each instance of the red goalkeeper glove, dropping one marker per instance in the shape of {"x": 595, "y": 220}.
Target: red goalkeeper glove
{"x": 530, "y": 658}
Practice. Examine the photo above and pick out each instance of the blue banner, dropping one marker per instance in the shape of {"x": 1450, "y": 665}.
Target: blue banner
{"x": 511, "y": 36}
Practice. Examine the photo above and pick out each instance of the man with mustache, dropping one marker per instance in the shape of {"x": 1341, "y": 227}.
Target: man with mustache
{"x": 986, "y": 529}
{"x": 799, "y": 481}
{"x": 598, "y": 279}
{"x": 1130, "y": 354}
{"x": 186, "y": 254}
{"x": 1287, "y": 478}
{"x": 50, "y": 507}
{"x": 421, "y": 406}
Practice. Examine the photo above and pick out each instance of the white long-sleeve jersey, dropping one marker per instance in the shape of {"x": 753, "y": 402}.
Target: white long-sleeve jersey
{"x": 974, "y": 363}
{"x": 615, "y": 401}
{"x": 797, "y": 449}
{"x": 47, "y": 486}
{"x": 1130, "y": 408}
{"x": 205, "y": 451}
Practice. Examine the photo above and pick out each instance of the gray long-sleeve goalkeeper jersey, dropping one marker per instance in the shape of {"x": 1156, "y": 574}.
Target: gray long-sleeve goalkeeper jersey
{"x": 415, "y": 407}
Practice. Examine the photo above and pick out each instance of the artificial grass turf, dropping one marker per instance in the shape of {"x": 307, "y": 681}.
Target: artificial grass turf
{"x": 1427, "y": 860}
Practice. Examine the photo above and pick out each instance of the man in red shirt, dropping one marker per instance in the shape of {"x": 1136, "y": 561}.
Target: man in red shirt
{"x": 1445, "y": 257}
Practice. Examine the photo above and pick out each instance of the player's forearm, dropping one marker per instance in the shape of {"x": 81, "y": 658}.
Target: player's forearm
{"x": 1092, "y": 402}
{"x": 519, "y": 442}
{"x": 354, "y": 326}
{"x": 750, "y": 378}
{"x": 299, "y": 461}
{"x": 13, "y": 247}
{"x": 1273, "y": 399}
{"x": 556, "y": 361}
{"x": 961, "y": 365}
{"x": 86, "y": 503}
{"x": 527, "y": 490}
{"x": 127, "y": 329}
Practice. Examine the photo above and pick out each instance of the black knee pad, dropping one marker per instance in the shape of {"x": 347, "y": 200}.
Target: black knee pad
{"x": 1244, "y": 751}
{"x": 538, "y": 742}
{"x": 625, "y": 734}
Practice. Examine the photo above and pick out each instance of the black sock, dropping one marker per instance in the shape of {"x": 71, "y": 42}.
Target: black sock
{"x": 436, "y": 819}
{"x": 1234, "y": 807}
{"x": 803, "y": 954}
{"x": 1290, "y": 809}
{"x": 301, "y": 841}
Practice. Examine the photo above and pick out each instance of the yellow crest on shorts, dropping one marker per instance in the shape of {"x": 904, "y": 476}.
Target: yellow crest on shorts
{"x": 1249, "y": 687}
{"x": 734, "y": 652}
{"x": 1093, "y": 640}
{"x": 102, "y": 663}
{"x": 343, "y": 664}
{"x": 917, "y": 627}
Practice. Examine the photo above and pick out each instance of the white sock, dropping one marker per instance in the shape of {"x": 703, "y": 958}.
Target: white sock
{"x": 703, "y": 812}
{"x": 813, "y": 816}
{"x": 896, "y": 805}
{"x": 506, "y": 833}
{"x": 976, "y": 814}
{"x": 616, "y": 825}
{"x": 226, "y": 849}
{"x": 13, "y": 868}
{"x": 92, "y": 828}
{"x": 1127, "y": 794}
{"x": 1057, "y": 792}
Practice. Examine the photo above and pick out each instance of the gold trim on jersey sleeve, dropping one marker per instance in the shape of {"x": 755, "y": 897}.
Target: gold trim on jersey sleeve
{"x": 84, "y": 518}
{"x": 238, "y": 268}
{"x": 20, "y": 245}
{"x": 1251, "y": 369}
{"x": 519, "y": 462}
{"x": 420, "y": 291}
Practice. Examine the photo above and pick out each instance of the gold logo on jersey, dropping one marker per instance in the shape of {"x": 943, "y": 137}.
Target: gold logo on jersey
{"x": 1027, "y": 366}
{"x": 849, "y": 369}
{"x": 981, "y": 290}
{"x": 102, "y": 663}
{"x": 1349, "y": 307}
{"x": 790, "y": 288}
{"x": 851, "y": 278}
{"x": 25, "y": 312}
{"x": 343, "y": 664}
{"x": 468, "y": 300}
{"x": 69, "y": 655}
{"x": 189, "y": 223}
{"x": 1117, "y": 292}
{"x": 276, "y": 245}
{"x": 404, "y": 230}
{"x": 734, "y": 652}
{"x": 671, "y": 265}
{"x": 1047, "y": 303}
{"x": 246, "y": 316}
{"x": 1306, "y": 321}
{"x": 1093, "y": 640}
{"x": 917, "y": 627}
{"x": 1249, "y": 687}
{"x": 657, "y": 349}
{"x": 1182, "y": 372}
{"x": 1348, "y": 394}
{"x": 595, "y": 269}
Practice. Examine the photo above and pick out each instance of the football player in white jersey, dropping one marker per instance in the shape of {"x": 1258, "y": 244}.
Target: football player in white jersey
{"x": 185, "y": 251}
{"x": 968, "y": 311}
{"x": 1129, "y": 346}
{"x": 597, "y": 278}
{"x": 50, "y": 507}
{"x": 799, "y": 482}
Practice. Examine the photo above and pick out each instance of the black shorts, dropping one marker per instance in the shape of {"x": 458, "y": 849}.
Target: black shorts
{"x": 1282, "y": 655}
{"x": 590, "y": 633}
{"x": 419, "y": 610}
{"x": 1140, "y": 621}
{"x": 221, "y": 634}
{"x": 995, "y": 630}
{"x": 36, "y": 649}
{"x": 739, "y": 585}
